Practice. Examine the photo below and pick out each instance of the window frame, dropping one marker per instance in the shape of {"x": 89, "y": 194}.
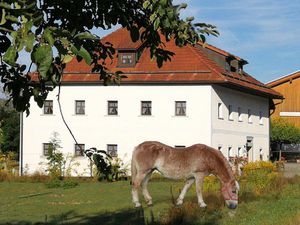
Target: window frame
{"x": 112, "y": 107}
{"x": 146, "y": 108}
{"x": 79, "y": 106}
{"x": 181, "y": 105}
{"x": 80, "y": 150}
{"x": 121, "y": 62}
{"x": 47, "y": 107}
{"x": 46, "y": 150}
{"x": 115, "y": 150}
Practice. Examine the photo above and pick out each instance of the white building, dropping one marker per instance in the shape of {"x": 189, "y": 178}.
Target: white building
{"x": 201, "y": 96}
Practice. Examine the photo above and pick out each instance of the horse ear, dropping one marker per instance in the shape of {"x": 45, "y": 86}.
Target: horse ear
{"x": 237, "y": 185}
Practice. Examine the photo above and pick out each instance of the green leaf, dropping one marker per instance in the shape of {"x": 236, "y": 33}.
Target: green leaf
{"x": 10, "y": 55}
{"x": 48, "y": 36}
{"x": 84, "y": 54}
{"x": 156, "y": 23}
{"x": 42, "y": 56}
{"x": 67, "y": 58}
{"x": 29, "y": 41}
{"x": 3, "y": 19}
{"x": 5, "y": 5}
{"x": 146, "y": 4}
{"x": 86, "y": 35}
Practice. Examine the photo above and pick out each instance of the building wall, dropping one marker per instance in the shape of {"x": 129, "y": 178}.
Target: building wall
{"x": 127, "y": 129}
{"x": 291, "y": 103}
{"x": 233, "y": 133}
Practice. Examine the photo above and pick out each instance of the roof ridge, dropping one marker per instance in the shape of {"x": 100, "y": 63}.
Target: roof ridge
{"x": 282, "y": 77}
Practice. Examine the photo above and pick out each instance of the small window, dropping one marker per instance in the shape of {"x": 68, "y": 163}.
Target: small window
{"x": 180, "y": 108}
{"x": 48, "y": 107}
{"x": 240, "y": 152}
{"x": 112, "y": 150}
{"x": 260, "y": 154}
{"x": 220, "y": 110}
{"x": 230, "y": 152}
{"x": 261, "y": 118}
{"x": 249, "y": 116}
{"x": 112, "y": 107}
{"x": 46, "y": 148}
{"x": 146, "y": 108}
{"x": 79, "y": 149}
{"x": 240, "y": 117}
{"x": 179, "y": 146}
{"x": 79, "y": 107}
{"x": 126, "y": 59}
{"x": 230, "y": 112}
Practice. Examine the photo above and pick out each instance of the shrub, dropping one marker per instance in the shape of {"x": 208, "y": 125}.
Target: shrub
{"x": 56, "y": 183}
{"x": 258, "y": 177}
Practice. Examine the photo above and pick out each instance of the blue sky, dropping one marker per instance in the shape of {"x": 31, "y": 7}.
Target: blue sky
{"x": 266, "y": 33}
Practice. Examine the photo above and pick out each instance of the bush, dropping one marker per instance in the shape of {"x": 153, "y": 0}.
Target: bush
{"x": 258, "y": 177}
{"x": 57, "y": 183}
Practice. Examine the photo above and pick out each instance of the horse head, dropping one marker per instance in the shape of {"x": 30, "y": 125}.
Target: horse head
{"x": 229, "y": 191}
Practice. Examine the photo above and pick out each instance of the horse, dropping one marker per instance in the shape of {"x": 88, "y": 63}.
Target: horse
{"x": 191, "y": 163}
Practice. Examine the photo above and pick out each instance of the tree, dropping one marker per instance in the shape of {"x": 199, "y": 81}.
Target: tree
{"x": 282, "y": 132}
{"x": 53, "y": 32}
{"x": 10, "y": 127}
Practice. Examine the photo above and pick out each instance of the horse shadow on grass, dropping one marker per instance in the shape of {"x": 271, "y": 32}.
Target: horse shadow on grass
{"x": 124, "y": 217}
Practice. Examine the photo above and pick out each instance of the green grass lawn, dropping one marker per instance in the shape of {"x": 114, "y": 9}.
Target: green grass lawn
{"x": 110, "y": 204}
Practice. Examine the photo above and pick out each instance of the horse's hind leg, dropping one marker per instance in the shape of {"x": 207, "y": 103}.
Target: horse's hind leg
{"x": 199, "y": 177}
{"x": 146, "y": 194}
{"x": 186, "y": 187}
{"x": 136, "y": 183}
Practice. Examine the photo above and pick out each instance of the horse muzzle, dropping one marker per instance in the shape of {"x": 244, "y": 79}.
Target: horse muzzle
{"x": 231, "y": 204}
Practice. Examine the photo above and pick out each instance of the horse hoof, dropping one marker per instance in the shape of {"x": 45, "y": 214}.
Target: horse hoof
{"x": 202, "y": 205}
{"x": 179, "y": 202}
{"x": 137, "y": 205}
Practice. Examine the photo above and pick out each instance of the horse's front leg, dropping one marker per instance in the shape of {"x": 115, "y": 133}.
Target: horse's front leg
{"x": 199, "y": 177}
{"x": 186, "y": 187}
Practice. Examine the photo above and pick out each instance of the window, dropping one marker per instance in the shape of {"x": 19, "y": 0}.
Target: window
{"x": 79, "y": 107}
{"x": 48, "y": 107}
{"x": 249, "y": 116}
{"x": 126, "y": 59}
{"x": 179, "y": 146}
{"x": 240, "y": 153}
{"x": 180, "y": 108}
{"x": 220, "y": 148}
{"x": 46, "y": 148}
{"x": 260, "y": 154}
{"x": 220, "y": 110}
{"x": 260, "y": 117}
{"x": 146, "y": 108}
{"x": 112, "y": 150}
{"x": 112, "y": 107}
{"x": 229, "y": 152}
{"x": 79, "y": 149}
{"x": 240, "y": 118}
{"x": 230, "y": 113}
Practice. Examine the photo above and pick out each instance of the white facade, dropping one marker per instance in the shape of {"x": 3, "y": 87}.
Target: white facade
{"x": 129, "y": 128}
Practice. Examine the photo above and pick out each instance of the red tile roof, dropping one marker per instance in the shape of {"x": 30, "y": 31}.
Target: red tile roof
{"x": 189, "y": 65}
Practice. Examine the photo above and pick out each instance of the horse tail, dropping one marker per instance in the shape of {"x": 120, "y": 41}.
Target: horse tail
{"x": 133, "y": 168}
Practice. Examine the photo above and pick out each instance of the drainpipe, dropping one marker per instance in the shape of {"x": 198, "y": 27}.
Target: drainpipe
{"x": 21, "y": 146}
